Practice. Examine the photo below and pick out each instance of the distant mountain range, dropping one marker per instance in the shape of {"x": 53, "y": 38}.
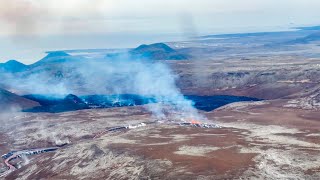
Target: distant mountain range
{"x": 53, "y": 57}
{"x": 13, "y": 66}
{"x": 157, "y": 51}
{"x": 161, "y": 51}
{"x": 45, "y": 75}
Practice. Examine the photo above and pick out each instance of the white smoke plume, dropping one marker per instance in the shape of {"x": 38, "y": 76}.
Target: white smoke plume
{"x": 121, "y": 75}
{"x": 25, "y": 160}
{"x": 57, "y": 140}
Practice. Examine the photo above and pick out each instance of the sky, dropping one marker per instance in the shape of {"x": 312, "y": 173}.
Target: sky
{"x": 31, "y": 27}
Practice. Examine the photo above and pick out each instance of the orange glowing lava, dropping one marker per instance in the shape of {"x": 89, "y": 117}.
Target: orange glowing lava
{"x": 195, "y": 122}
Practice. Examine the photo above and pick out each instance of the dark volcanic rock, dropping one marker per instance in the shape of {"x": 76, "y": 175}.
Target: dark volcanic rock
{"x": 72, "y": 102}
{"x": 209, "y": 103}
{"x": 57, "y": 105}
{"x": 73, "y": 99}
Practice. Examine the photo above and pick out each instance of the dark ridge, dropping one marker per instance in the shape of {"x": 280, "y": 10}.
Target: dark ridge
{"x": 13, "y": 66}
{"x": 57, "y": 105}
{"x": 44, "y": 100}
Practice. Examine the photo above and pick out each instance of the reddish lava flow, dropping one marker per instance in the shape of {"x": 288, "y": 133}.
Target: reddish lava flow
{"x": 194, "y": 122}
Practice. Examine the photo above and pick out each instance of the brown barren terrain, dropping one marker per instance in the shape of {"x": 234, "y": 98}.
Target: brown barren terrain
{"x": 256, "y": 140}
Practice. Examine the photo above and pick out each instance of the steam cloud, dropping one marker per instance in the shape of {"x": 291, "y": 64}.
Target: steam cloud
{"x": 121, "y": 75}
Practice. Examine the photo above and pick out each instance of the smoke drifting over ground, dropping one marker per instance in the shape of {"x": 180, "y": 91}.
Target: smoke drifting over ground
{"x": 139, "y": 77}
{"x": 120, "y": 75}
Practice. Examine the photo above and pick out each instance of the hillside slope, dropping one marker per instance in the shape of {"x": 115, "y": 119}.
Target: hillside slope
{"x": 11, "y": 101}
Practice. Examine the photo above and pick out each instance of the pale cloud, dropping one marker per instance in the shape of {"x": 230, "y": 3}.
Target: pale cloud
{"x": 26, "y": 23}
{"x": 44, "y": 17}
